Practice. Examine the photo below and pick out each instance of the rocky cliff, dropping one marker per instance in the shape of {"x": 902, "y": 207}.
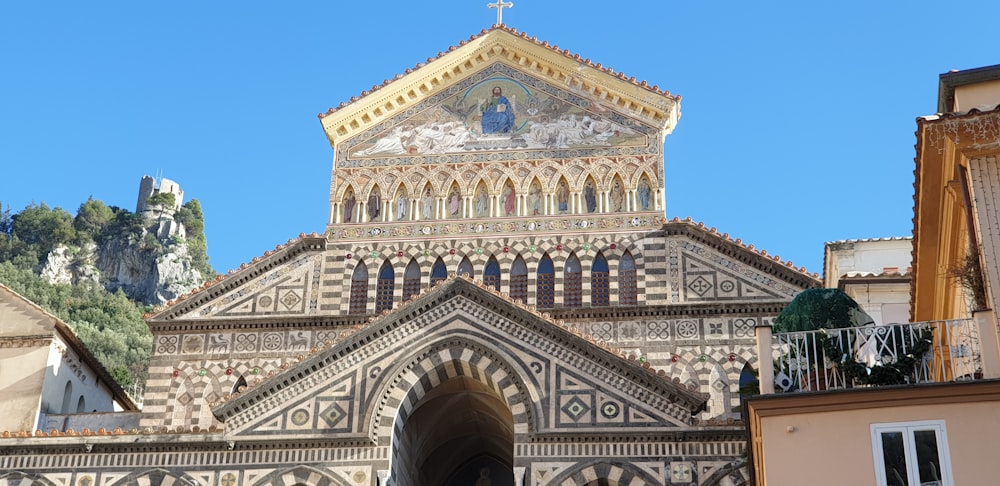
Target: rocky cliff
{"x": 148, "y": 270}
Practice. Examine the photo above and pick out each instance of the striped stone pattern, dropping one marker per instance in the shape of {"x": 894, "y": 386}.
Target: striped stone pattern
{"x": 339, "y": 269}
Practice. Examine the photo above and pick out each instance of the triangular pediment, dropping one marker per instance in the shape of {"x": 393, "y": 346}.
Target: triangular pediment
{"x": 553, "y": 379}
{"x": 709, "y": 267}
{"x": 542, "y": 87}
{"x": 282, "y": 284}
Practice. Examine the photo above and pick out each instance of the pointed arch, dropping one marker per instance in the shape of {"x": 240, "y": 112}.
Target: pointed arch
{"x": 545, "y": 285}
{"x": 589, "y": 202}
{"x": 373, "y": 206}
{"x": 240, "y": 382}
{"x": 24, "y": 479}
{"x": 465, "y": 267}
{"x": 426, "y": 205}
{"x": 519, "y": 280}
{"x": 481, "y": 201}
{"x": 359, "y": 290}
{"x": 453, "y": 202}
{"x": 491, "y": 274}
{"x": 67, "y": 400}
{"x": 81, "y": 405}
{"x": 349, "y": 208}
{"x": 572, "y": 282}
{"x": 617, "y": 202}
{"x": 385, "y": 287}
{"x": 618, "y": 472}
{"x": 508, "y": 200}
{"x": 300, "y": 475}
{"x": 627, "y": 289}
{"x": 562, "y": 200}
{"x": 411, "y": 280}
{"x": 644, "y": 194}
{"x": 401, "y": 204}
{"x": 439, "y": 272}
{"x": 155, "y": 477}
{"x": 536, "y": 200}
{"x": 600, "y": 282}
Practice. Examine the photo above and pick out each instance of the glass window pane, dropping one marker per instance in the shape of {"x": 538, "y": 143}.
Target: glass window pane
{"x": 894, "y": 458}
{"x": 928, "y": 459}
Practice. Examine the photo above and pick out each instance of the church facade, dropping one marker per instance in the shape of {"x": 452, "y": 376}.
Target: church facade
{"x": 497, "y": 299}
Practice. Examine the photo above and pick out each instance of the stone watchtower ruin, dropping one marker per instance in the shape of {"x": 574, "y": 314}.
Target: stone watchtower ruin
{"x": 167, "y": 227}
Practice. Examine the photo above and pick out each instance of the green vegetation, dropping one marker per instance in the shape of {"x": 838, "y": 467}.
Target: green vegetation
{"x": 109, "y": 324}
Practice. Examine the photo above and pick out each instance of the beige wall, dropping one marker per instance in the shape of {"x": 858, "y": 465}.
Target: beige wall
{"x": 812, "y": 445}
{"x": 22, "y": 373}
{"x": 976, "y": 95}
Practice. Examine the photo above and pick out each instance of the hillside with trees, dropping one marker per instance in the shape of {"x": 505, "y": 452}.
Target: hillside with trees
{"x": 102, "y": 268}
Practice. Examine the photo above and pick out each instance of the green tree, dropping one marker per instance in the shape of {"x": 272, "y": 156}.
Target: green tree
{"x": 91, "y": 219}
{"x": 162, "y": 201}
{"x": 191, "y": 216}
{"x": 43, "y": 228}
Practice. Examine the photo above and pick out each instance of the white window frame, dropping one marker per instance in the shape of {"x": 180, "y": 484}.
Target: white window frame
{"x": 909, "y": 448}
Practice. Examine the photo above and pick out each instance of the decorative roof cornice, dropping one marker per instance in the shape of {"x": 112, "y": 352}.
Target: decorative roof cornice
{"x": 508, "y": 46}
{"x": 224, "y": 283}
{"x": 742, "y": 252}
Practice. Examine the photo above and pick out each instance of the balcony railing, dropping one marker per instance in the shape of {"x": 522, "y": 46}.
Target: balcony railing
{"x": 935, "y": 351}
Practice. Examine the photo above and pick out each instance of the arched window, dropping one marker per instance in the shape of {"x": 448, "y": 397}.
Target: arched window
{"x": 519, "y": 280}
{"x": 359, "y": 290}
{"x": 439, "y": 272}
{"x": 385, "y": 287}
{"x": 241, "y": 382}
{"x": 411, "y": 280}
{"x": 626, "y": 280}
{"x": 572, "y": 282}
{"x": 545, "y": 287}
{"x": 599, "y": 282}
{"x": 67, "y": 397}
{"x": 466, "y": 268}
{"x": 81, "y": 405}
{"x": 491, "y": 275}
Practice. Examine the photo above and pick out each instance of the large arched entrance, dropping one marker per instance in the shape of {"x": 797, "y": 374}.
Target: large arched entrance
{"x": 459, "y": 433}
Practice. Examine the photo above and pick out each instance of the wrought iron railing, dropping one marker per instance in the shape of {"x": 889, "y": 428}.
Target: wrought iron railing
{"x": 935, "y": 351}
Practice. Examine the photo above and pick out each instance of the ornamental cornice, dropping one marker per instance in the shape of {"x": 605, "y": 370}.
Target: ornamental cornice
{"x": 39, "y": 341}
{"x": 461, "y": 228}
{"x": 499, "y": 45}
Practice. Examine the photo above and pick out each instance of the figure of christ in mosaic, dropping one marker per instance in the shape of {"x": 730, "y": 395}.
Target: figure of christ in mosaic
{"x": 498, "y": 113}
{"x": 509, "y": 200}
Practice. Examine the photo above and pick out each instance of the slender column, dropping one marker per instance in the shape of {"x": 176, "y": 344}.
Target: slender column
{"x": 766, "y": 372}
{"x": 989, "y": 343}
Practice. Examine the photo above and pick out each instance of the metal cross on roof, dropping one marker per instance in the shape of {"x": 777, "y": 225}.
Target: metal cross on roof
{"x": 500, "y": 5}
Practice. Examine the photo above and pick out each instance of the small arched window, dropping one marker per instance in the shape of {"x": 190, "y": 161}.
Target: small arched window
{"x": 491, "y": 275}
{"x": 545, "y": 287}
{"x": 439, "y": 272}
{"x": 599, "y": 282}
{"x": 359, "y": 290}
{"x": 519, "y": 280}
{"x": 385, "y": 287}
{"x": 67, "y": 398}
{"x": 411, "y": 280}
{"x": 572, "y": 282}
{"x": 81, "y": 405}
{"x": 465, "y": 267}
{"x": 626, "y": 280}
{"x": 240, "y": 382}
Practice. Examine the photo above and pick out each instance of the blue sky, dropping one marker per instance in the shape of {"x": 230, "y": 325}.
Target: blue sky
{"x": 797, "y": 122}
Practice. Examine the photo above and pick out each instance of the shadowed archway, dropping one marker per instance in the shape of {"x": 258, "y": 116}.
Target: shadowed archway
{"x": 457, "y": 433}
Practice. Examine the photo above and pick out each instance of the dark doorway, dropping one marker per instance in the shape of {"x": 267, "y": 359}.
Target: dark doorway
{"x": 459, "y": 433}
